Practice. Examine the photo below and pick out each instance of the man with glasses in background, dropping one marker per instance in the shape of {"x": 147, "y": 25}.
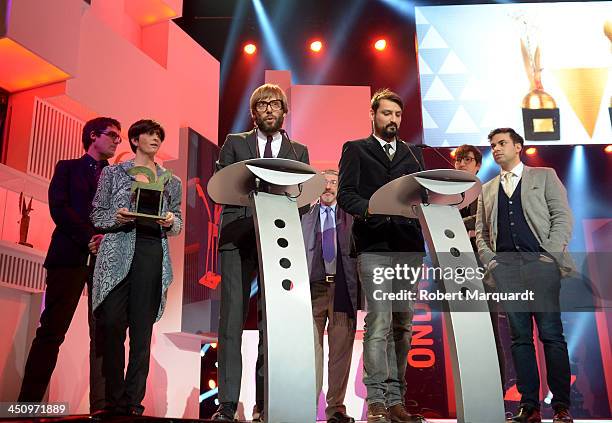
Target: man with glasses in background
{"x": 69, "y": 261}
{"x": 238, "y": 248}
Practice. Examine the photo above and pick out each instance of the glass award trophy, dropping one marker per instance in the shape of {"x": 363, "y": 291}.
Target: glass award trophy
{"x": 148, "y": 195}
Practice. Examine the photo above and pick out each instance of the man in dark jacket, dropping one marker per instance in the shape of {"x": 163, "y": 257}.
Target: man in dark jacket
{"x": 238, "y": 248}
{"x": 334, "y": 291}
{"x": 69, "y": 260}
{"x": 382, "y": 243}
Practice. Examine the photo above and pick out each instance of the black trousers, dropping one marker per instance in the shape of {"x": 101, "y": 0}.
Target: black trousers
{"x": 64, "y": 288}
{"x": 238, "y": 268}
{"x": 133, "y": 304}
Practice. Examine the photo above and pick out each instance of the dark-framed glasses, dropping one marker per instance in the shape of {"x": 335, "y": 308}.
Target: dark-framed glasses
{"x": 466, "y": 159}
{"x": 275, "y": 105}
{"x": 113, "y": 135}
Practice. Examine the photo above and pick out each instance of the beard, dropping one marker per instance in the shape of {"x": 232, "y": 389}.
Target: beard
{"x": 269, "y": 128}
{"x": 389, "y": 131}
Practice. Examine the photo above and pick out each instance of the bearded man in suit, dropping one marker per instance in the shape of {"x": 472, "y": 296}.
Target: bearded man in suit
{"x": 523, "y": 227}
{"x": 383, "y": 242}
{"x": 238, "y": 248}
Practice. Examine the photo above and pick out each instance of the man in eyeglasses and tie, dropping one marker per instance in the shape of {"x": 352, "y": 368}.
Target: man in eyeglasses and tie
{"x": 238, "y": 248}
{"x": 523, "y": 227}
{"x": 69, "y": 260}
{"x": 334, "y": 291}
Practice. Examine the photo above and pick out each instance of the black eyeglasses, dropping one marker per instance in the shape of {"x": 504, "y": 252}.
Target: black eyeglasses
{"x": 466, "y": 159}
{"x": 113, "y": 135}
{"x": 275, "y": 105}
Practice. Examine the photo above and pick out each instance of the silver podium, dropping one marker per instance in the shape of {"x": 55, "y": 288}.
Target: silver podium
{"x": 275, "y": 188}
{"x": 435, "y": 197}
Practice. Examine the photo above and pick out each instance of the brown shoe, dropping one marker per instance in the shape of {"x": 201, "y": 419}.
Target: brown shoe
{"x": 562, "y": 415}
{"x": 399, "y": 414}
{"x": 377, "y": 413}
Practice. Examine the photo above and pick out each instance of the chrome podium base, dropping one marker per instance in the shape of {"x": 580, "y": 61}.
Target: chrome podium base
{"x": 290, "y": 388}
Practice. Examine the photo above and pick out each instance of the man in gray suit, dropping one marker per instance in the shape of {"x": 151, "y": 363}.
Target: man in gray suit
{"x": 334, "y": 291}
{"x": 237, "y": 247}
{"x": 523, "y": 227}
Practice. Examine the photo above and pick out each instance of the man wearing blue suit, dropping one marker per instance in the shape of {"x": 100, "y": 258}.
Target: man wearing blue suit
{"x": 523, "y": 227}
{"x": 334, "y": 291}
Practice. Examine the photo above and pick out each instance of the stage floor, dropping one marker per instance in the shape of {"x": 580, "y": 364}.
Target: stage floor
{"x": 144, "y": 419}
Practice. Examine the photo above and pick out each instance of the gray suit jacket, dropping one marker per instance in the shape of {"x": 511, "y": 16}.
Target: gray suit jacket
{"x": 546, "y": 210}
{"x": 236, "y": 227}
{"x": 344, "y": 224}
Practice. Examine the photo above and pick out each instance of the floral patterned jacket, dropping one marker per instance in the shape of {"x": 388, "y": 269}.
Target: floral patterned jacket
{"x": 117, "y": 247}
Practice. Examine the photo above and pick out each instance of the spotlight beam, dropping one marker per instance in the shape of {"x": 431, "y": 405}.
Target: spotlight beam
{"x": 275, "y": 49}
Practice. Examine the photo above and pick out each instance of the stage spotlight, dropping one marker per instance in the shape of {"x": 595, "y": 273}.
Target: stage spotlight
{"x": 213, "y": 345}
{"x": 316, "y": 46}
{"x": 212, "y": 384}
{"x": 608, "y": 149}
{"x": 250, "y": 48}
{"x": 453, "y": 153}
{"x": 531, "y": 151}
{"x": 381, "y": 44}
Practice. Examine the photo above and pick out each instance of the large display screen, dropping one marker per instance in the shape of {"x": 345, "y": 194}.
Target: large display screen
{"x": 543, "y": 69}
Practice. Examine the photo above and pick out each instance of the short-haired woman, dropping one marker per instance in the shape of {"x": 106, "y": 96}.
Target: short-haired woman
{"x": 133, "y": 269}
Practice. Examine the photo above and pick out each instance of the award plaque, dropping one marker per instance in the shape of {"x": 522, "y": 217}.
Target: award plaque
{"x": 540, "y": 113}
{"x": 148, "y": 195}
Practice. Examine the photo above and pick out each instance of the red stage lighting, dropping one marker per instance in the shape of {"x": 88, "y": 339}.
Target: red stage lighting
{"x": 608, "y": 149}
{"x": 381, "y": 44}
{"x": 316, "y": 46}
{"x": 250, "y": 48}
{"x": 453, "y": 153}
{"x": 212, "y": 384}
{"x": 531, "y": 151}
{"x": 213, "y": 345}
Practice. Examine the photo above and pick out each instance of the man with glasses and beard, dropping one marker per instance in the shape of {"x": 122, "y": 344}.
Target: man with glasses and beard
{"x": 383, "y": 242}
{"x": 69, "y": 261}
{"x": 238, "y": 249}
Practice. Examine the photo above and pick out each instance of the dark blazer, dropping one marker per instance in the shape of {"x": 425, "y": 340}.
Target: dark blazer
{"x": 71, "y": 192}
{"x": 311, "y": 221}
{"x": 364, "y": 168}
{"x": 236, "y": 228}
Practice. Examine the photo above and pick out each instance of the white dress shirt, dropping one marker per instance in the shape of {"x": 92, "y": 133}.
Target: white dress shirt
{"x": 517, "y": 173}
{"x": 383, "y": 143}
{"x": 262, "y": 139}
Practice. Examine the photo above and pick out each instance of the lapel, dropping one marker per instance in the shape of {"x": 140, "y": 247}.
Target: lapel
{"x": 401, "y": 150}
{"x": 286, "y": 152}
{"x": 526, "y": 181}
{"x": 377, "y": 151}
{"x": 310, "y": 221}
{"x": 251, "y": 140}
{"x": 493, "y": 199}
{"x": 82, "y": 168}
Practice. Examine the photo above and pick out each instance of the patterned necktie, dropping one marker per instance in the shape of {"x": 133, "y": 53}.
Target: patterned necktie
{"x": 329, "y": 236}
{"x": 507, "y": 184}
{"x": 388, "y": 151}
{"x": 268, "y": 149}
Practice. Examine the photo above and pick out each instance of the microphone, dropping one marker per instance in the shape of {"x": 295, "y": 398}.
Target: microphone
{"x": 424, "y": 146}
{"x": 282, "y": 131}
{"x": 413, "y": 155}
{"x": 424, "y": 191}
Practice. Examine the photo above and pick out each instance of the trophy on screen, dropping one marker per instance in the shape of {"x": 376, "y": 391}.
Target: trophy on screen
{"x": 540, "y": 113}
{"x": 149, "y": 195}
